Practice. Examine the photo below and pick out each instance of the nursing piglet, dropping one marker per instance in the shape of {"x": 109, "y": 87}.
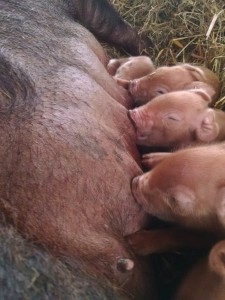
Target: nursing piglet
{"x": 179, "y": 77}
{"x": 206, "y": 280}
{"x": 178, "y": 119}
{"x": 186, "y": 187}
{"x": 125, "y": 69}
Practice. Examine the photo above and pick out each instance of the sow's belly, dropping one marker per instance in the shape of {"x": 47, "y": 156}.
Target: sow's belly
{"x": 68, "y": 155}
{"x": 72, "y": 182}
{"x": 98, "y": 144}
{"x": 79, "y": 159}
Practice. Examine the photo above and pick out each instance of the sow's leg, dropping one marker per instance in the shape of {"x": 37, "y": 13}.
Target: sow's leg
{"x": 101, "y": 18}
{"x": 67, "y": 147}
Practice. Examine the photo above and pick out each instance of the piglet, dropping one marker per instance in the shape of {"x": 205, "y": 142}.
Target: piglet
{"x": 206, "y": 280}
{"x": 179, "y": 77}
{"x": 186, "y": 187}
{"x": 125, "y": 69}
{"x": 178, "y": 119}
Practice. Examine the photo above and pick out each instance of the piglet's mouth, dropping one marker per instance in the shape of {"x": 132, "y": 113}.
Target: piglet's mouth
{"x": 132, "y": 87}
{"x": 132, "y": 119}
{"x": 136, "y": 190}
{"x": 139, "y": 136}
{"x": 133, "y": 185}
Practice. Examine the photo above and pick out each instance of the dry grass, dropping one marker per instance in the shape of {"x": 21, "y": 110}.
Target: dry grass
{"x": 190, "y": 31}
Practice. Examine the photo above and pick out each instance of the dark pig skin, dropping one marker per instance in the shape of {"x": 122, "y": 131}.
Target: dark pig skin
{"x": 67, "y": 147}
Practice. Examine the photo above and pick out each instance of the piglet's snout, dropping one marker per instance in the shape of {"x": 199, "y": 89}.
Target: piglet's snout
{"x": 133, "y": 85}
{"x": 134, "y": 186}
{"x": 136, "y": 190}
{"x": 133, "y": 116}
{"x": 142, "y": 121}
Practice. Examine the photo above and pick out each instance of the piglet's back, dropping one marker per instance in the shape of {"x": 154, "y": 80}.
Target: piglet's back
{"x": 201, "y": 163}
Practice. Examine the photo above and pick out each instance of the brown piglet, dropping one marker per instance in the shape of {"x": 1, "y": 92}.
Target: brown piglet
{"x": 125, "y": 69}
{"x": 206, "y": 280}
{"x": 173, "y": 78}
{"x": 186, "y": 187}
{"x": 178, "y": 119}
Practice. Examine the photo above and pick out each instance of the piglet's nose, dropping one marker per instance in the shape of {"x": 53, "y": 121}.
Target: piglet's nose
{"x": 132, "y": 86}
{"x": 134, "y": 183}
{"x": 134, "y": 187}
{"x": 132, "y": 115}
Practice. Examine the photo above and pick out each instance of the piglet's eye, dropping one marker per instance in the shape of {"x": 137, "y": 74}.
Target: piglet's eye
{"x": 174, "y": 117}
{"x": 173, "y": 200}
{"x": 161, "y": 91}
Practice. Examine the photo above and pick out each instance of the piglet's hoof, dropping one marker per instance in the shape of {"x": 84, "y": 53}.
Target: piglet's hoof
{"x": 150, "y": 160}
{"x": 125, "y": 265}
{"x": 122, "y": 82}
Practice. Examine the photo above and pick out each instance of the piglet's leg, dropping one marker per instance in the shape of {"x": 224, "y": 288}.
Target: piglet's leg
{"x": 122, "y": 82}
{"x": 152, "y": 159}
{"x": 146, "y": 242}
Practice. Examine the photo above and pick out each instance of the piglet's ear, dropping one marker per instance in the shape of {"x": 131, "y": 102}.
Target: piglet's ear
{"x": 196, "y": 72}
{"x": 198, "y": 86}
{"x": 112, "y": 66}
{"x": 217, "y": 259}
{"x": 202, "y": 93}
{"x": 182, "y": 199}
{"x": 208, "y": 129}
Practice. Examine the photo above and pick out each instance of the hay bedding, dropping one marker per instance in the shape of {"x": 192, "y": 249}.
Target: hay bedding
{"x": 182, "y": 31}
